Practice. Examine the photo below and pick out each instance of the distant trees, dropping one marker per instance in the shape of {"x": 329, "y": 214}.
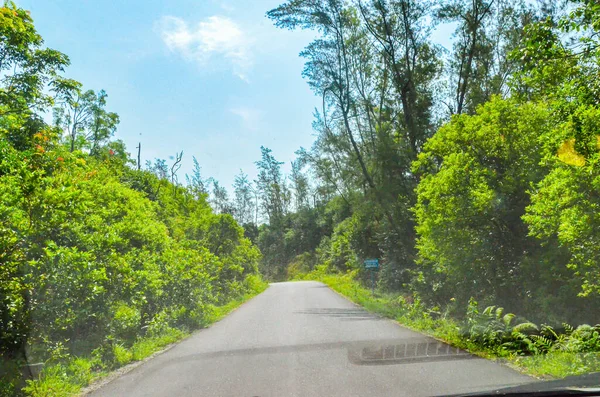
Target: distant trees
{"x": 244, "y": 206}
{"x": 220, "y": 198}
{"x": 270, "y": 186}
{"x": 196, "y": 183}
{"x": 300, "y": 186}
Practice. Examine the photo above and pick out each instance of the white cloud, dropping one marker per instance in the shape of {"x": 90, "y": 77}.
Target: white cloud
{"x": 250, "y": 117}
{"x": 216, "y": 36}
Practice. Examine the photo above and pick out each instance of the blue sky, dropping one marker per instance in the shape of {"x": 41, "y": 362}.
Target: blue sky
{"x": 213, "y": 78}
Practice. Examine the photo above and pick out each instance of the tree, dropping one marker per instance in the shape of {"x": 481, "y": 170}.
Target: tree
{"x": 197, "y": 184}
{"x": 487, "y": 32}
{"x": 244, "y": 199}
{"x": 220, "y": 199}
{"x": 175, "y": 167}
{"x": 401, "y": 29}
{"x": 564, "y": 207}
{"x": 300, "y": 186}
{"x": 270, "y": 186}
{"x": 158, "y": 168}
{"x": 103, "y": 124}
{"x": 82, "y": 116}
{"x": 26, "y": 69}
{"x": 473, "y": 192}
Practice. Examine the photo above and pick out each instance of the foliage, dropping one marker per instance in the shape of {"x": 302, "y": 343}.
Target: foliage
{"x": 101, "y": 264}
{"x": 565, "y": 204}
{"x": 470, "y": 173}
{"x": 476, "y": 172}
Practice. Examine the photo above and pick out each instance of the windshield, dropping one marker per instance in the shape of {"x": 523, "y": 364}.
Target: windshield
{"x": 299, "y": 197}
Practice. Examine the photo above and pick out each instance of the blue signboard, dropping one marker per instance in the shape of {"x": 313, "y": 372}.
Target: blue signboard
{"x": 371, "y": 263}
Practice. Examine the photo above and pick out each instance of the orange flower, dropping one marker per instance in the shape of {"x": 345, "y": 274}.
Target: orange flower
{"x": 60, "y": 159}
{"x": 39, "y": 148}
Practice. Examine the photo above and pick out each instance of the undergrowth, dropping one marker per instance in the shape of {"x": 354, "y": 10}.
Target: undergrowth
{"x": 66, "y": 376}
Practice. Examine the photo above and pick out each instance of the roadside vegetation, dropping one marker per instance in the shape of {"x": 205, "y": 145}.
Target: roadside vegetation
{"x": 69, "y": 375}
{"x": 102, "y": 262}
{"x": 542, "y": 351}
{"x": 472, "y": 173}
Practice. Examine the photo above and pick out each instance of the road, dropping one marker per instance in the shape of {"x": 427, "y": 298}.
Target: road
{"x": 303, "y": 339}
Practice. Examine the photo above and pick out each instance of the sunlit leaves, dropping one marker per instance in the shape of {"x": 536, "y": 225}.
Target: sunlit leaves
{"x": 568, "y": 155}
{"x": 476, "y": 172}
{"x": 565, "y": 204}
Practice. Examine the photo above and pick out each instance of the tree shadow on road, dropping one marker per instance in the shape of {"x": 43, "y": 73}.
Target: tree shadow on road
{"x": 341, "y": 313}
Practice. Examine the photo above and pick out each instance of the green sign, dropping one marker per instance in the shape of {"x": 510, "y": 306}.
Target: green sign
{"x": 371, "y": 263}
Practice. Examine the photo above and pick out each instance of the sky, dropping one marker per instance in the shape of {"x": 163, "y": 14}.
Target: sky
{"x": 212, "y": 78}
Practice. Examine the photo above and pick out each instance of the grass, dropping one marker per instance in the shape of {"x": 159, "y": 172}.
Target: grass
{"x": 256, "y": 285}
{"x": 415, "y": 316}
{"x": 68, "y": 378}
{"x": 558, "y": 364}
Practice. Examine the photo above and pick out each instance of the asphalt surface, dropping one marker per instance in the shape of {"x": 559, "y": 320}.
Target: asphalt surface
{"x": 303, "y": 339}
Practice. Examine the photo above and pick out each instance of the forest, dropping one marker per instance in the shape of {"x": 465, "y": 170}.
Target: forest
{"x": 472, "y": 173}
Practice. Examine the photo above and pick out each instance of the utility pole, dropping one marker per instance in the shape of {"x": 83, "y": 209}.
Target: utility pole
{"x": 139, "y": 148}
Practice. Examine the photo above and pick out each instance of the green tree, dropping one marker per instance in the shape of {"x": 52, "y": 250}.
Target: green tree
{"x": 27, "y": 68}
{"x": 220, "y": 198}
{"x": 476, "y": 171}
{"x": 564, "y": 204}
{"x": 244, "y": 199}
{"x": 479, "y": 65}
{"x": 300, "y": 186}
{"x": 271, "y": 188}
{"x": 81, "y": 115}
{"x": 196, "y": 183}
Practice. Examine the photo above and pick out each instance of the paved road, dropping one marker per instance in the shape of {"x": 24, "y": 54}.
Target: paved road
{"x": 302, "y": 339}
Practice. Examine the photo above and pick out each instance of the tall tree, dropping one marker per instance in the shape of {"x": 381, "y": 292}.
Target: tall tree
{"x": 196, "y": 183}
{"x": 480, "y": 65}
{"x": 271, "y": 186}
{"x": 300, "y": 185}
{"x": 401, "y": 29}
{"x": 220, "y": 198}
{"x": 244, "y": 199}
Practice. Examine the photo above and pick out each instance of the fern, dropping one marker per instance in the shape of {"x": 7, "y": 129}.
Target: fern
{"x": 526, "y": 327}
{"x": 542, "y": 343}
{"x": 548, "y": 332}
{"x": 507, "y": 319}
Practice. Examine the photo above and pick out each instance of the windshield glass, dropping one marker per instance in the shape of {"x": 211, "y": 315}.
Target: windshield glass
{"x": 299, "y": 197}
